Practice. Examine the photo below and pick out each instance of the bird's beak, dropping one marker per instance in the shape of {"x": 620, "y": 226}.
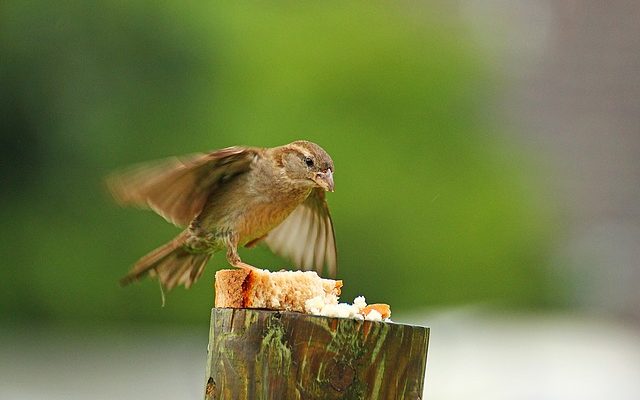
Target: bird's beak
{"x": 325, "y": 180}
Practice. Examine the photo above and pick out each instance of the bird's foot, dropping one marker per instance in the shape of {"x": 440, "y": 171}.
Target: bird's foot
{"x": 232, "y": 253}
{"x": 245, "y": 266}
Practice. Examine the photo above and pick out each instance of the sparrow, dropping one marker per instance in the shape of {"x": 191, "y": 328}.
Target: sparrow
{"x": 233, "y": 197}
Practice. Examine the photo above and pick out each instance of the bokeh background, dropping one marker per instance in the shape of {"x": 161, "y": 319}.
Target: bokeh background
{"x": 487, "y": 181}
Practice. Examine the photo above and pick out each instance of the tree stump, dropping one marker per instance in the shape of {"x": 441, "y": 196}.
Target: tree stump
{"x": 260, "y": 354}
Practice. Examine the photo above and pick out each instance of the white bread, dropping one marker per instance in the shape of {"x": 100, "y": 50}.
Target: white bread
{"x": 284, "y": 290}
{"x": 290, "y": 291}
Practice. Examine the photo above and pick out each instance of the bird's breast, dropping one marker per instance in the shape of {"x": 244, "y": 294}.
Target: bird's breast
{"x": 251, "y": 206}
{"x": 259, "y": 218}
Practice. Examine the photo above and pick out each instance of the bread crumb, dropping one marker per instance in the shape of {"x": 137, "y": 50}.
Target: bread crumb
{"x": 328, "y": 306}
{"x": 360, "y": 302}
{"x": 373, "y": 315}
{"x": 382, "y": 309}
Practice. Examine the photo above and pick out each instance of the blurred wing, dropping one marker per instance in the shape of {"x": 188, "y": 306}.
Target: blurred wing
{"x": 178, "y": 188}
{"x": 306, "y": 236}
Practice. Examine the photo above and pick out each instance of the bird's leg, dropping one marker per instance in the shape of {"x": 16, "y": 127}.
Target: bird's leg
{"x": 231, "y": 241}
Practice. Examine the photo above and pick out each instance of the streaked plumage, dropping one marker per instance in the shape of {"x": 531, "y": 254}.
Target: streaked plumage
{"x": 238, "y": 196}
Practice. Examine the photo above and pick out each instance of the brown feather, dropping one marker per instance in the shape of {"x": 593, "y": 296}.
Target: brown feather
{"x": 306, "y": 236}
{"x": 178, "y": 188}
{"x": 171, "y": 263}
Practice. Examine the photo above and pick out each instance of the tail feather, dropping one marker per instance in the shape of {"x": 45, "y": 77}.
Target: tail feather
{"x": 171, "y": 263}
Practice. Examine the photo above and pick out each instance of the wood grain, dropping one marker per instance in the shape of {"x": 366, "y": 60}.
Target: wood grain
{"x": 260, "y": 354}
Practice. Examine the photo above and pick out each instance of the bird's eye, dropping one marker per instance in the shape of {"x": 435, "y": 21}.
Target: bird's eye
{"x": 308, "y": 161}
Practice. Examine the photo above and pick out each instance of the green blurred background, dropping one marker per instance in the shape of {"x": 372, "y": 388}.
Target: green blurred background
{"x": 429, "y": 189}
{"x": 487, "y": 181}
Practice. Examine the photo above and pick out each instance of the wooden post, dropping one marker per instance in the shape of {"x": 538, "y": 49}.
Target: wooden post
{"x": 269, "y": 355}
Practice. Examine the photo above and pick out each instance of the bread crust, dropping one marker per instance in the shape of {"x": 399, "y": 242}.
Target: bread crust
{"x": 232, "y": 288}
{"x": 283, "y": 290}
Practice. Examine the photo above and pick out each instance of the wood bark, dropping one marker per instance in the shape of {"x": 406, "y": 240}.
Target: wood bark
{"x": 261, "y": 354}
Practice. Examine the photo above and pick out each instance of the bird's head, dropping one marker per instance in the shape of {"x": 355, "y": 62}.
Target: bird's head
{"x": 308, "y": 163}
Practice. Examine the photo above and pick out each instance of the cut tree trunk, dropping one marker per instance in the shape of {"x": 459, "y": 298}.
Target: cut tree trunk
{"x": 260, "y": 354}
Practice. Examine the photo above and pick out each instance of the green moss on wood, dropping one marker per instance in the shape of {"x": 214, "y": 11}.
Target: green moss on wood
{"x": 259, "y": 354}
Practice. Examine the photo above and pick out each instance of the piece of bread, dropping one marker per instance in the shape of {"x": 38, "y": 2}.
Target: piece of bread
{"x": 283, "y": 290}
{"x": 291, "y": 291}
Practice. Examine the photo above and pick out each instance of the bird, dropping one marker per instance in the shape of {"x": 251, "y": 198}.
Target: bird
{"x": 229, "y": 198}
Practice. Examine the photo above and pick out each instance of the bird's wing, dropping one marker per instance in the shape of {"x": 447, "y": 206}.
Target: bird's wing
{"x": 306, "y": 236}
{"x": 178, "y": 188}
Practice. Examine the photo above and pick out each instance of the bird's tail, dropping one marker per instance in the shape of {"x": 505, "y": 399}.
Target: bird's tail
{"x": 172, "y": 263}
